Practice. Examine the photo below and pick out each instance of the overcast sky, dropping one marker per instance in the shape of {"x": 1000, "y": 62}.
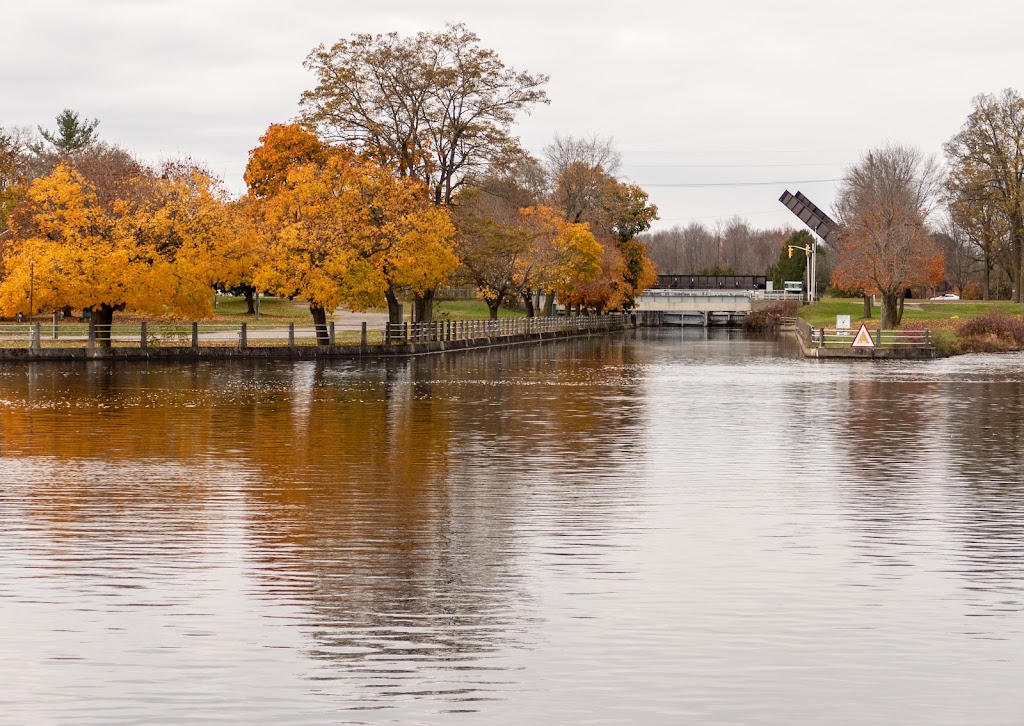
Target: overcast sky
{"x": 703, "y": 99}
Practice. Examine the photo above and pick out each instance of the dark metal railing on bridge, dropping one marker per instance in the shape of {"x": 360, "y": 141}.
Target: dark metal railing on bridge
{"x": 711, "y": 282}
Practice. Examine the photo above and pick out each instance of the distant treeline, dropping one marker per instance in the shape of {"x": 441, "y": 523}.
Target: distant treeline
{"x": 732, "y": 248}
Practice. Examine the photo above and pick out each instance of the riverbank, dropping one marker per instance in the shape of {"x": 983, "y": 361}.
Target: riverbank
{"x": 398, "y": 341}
{"x": 955, "y": 326}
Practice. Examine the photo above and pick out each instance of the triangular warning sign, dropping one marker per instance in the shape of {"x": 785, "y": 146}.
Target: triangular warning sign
{"x": 863, "y": 339}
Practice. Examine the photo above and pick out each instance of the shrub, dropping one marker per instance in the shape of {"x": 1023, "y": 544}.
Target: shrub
{"x": 990, "y": 333}
{"x": 972, "y": 291}
{"x": 769, "y": 318}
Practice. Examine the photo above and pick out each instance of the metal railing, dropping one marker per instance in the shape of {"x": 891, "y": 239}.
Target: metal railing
{"x": 841, "y": 338}
{"x": 248, "y": 335}
{"x": 145, "y": 335}
{"x": 451, "y": 330}
{"x": 776, "y": 295}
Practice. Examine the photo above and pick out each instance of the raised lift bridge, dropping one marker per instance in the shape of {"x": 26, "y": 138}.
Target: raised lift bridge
{"x": 726, "y": 299}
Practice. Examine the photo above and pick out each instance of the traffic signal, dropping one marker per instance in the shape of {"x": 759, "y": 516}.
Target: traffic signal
{"x": 790, "y": 253}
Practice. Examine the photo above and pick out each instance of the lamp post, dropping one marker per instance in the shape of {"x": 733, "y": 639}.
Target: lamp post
{"x": 31, "y": 288}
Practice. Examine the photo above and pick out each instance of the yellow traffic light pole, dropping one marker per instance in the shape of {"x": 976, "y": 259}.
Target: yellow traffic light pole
{"x": 810, "y": 268}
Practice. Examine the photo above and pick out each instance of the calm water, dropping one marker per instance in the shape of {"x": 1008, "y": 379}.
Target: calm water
{"x": 661, "y": 529}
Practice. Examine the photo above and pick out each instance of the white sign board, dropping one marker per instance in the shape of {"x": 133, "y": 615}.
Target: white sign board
{"x": 843, "y": 322}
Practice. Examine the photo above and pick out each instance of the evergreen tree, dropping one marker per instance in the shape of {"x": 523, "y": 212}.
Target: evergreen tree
{"x": 71, "y": 135}
{"x": 792, "y": 264}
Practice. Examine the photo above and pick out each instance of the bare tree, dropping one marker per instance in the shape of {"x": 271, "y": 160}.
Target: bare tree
{"x": 734, "y": 245}
{"x": 435, "y": 106}
{"x": 14, "y": 171}
{"x": 986, "y": 181}
{"x": 594, "y": 152}
{"x": 964, "y": 261}
{"x": 883, "y": 205}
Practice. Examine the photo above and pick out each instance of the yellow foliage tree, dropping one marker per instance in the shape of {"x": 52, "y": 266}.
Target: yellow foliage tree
{"x": 341, "y": 228}
{"x": 586, "y": 191}
{"x": 132, "y": 243}
{"x": 563, "y": 256}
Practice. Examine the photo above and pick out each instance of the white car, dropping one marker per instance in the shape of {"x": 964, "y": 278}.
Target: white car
{"x": 947, "y": 296}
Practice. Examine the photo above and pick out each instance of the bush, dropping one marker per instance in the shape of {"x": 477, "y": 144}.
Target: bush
{"x": 972, "y": 291}
{"x": 769, "y": 318}
{"x": 990, "y": 333}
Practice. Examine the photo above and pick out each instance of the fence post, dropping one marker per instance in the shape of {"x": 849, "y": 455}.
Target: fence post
{"x": 362, "y": 334}
{"x": 387, "y": 333}
{"x": 291, "y": 335}
{"x": 928, "y": 338}
{"x": 142, "y": 336}
{"x": 243, "y": 336}
{"x": 331, "y": 334}
{"x": 195, "y": 335}
{"x": 55, "y": 325}
{"x": 92, "y": 333}
{"x": 405, "y": 332}
{"x": 821, "y": 338}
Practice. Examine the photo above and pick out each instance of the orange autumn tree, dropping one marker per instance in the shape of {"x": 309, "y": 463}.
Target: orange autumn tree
{"x": 607, "y": 291}
{"x": 114, "y": 236}
{"x": 194, "y": 224}
{"x": 492, "y": 245}
{"x": 586, "y": 189}
{"x": 509, "y": 249}
{"x": 885, "y": 246}
{"x": 341, "y": 229}
{"x": 563, "y": 256}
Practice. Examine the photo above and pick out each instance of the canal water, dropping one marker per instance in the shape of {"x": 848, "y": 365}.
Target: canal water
{"x": 658, "y": 528}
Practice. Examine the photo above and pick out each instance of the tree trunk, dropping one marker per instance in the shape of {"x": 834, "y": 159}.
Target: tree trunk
{"x": 425, "y": 307}
{"x": 528, "y": 301}
{"x": 987, "y": 290}
{"x": 250, "y": 303}
{"x": 899, "y": 312}
{"x": 867, "y": 305}
{"x": 549, "y": 303}
{"x": 492, "y": 308}
{"x": 394, "y": 307}
{"x": 890, "y": 312}
{"x": 1016, "y": 265}
{"x": 320, "y": 323}
{"x": 103, "y": 317}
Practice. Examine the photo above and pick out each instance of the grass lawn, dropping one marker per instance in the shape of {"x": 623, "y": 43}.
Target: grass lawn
{"x": 917, "y": 314}
{"x": 271, "y": 308}
{"x": 232, "y": 309}
{"x": 469, "y": 310}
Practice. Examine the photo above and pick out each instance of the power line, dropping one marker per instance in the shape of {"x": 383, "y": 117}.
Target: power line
{"x": 740, "y": 183}
{"x": 731, "y": 166}
{"x": 715, "y": 216}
